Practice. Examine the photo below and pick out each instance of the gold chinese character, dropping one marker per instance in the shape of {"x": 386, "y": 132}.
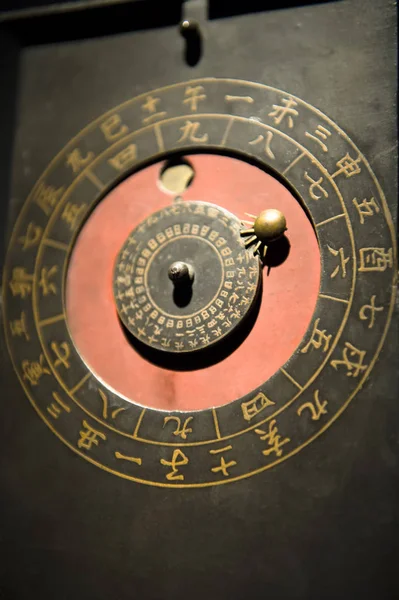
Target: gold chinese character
{"x": 247, "y": 99}
{"x": 150, "y": 107}
{"x": 125, "y": 158}
{"x": 179, "y": 459}
{"x": 375, "y": 259}
{"x": 233, "y": 298}
{"x": 77, "y": 162}
{"x": 72, "y": 213}
{"x": 348, "y": 165}
{"x": 18, "y": 327}
{"x": 89, "y": 436}
{"x": 151, "y": 104}
{"x": 342, "y": 262}
{"x": 114, "y": 412}
{"x": 33, "y": 370}
{"x": 113, "y": 129}
{"x": 317, "y": 339}
{"x": 365, "y": 208}
{"x": 47, "y": 286}
{"x": 181, "y": 430}
{"x": 31, "y": 237}
{"x": 104, "y": 399}
{"x": 316, "y": 410}
{"x": 254, "y": 406}
{"x": 266, "y": 148}
{"x": 352, "y": 358}
{"x": 321, "y": 133}
{"x": 372, "y": 309}
{"x": 189, "y": 131}
{"x": 21, "y": 282}
{"x": 47, "y": 196}
{"x": 62, "y": 352}
{"x": 133, "y": 459}
{"x": 193, "y": 95}
{"x": 287, "y": 111}
{"x": 223, "y": 466}
{"x": 273, "y": 438}
{"x": 315, "y": 185}
{"x": 54, "y": 409}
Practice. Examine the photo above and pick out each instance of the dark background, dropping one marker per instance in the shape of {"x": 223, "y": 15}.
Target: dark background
{"x": 321, "y": 525}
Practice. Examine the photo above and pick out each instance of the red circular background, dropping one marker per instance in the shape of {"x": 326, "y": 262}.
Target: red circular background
{"x": 289, "y": 297}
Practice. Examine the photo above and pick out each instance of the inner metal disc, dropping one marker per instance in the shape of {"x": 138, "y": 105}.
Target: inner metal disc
{"x": 186, "y": 314}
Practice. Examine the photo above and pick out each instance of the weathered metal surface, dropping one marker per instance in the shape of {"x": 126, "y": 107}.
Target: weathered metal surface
{"x": 320, "y": 524}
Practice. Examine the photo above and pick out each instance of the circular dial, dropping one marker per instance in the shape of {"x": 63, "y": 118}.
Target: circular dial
{"x": 176, "y": 281}
{"x": 278, "y": 417}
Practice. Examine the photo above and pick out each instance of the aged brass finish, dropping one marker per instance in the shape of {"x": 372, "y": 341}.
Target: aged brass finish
{"x": 268, "y": 227}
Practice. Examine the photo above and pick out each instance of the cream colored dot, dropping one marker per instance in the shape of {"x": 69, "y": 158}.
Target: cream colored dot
{"x": 175, "y": 179}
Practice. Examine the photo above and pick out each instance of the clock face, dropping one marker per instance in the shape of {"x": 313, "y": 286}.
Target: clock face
{"x": 199, "y": 283}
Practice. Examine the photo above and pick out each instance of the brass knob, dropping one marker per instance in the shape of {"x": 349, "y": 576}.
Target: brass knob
{"x": 181, "y": 273}
{"x": 267, "y": 227}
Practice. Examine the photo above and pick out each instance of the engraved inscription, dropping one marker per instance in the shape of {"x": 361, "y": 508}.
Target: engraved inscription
{"x": 54, "y": 409}
{"x": 254, "y": 406}
{"x": 21, "y": 282}
{"x": 77, "y": 162}
{"x": 180, "y": 430}
{"x": 316, "y": 185}
{"x": 47, "y": 286}
{"x": 189, "y": 133}
{"x": 34, "y": 370}
{"x": 150, "y": 109}
{"x": 352, "y": 360}
{"x": 320, "y": 135}
{"x": 366, "y": 208}
{"x": 31, "y": 237}
{"x": 246, "y": 99}
{"x": 113, "y": 128}
{"x": 133, "y": 459}
{"x": 317, "y": 408}
{"x": 125, "y": 158}
{"x": 105, "y": 409}
{"x": 284, "y": 112}
{"x": 179, "y": 459}
{"x": 342, "y": 261}
{"x": 72, "y": 214}
{"x": 266, "y": 144}
{"x": 223, "y": 465}
{"x": 193, "y": 95}
{"x": 348, "y": 166}
{"x": 62, "y": 352}
{"x": 375, "y": 259}
{"x": 367, "y": 312}
{"x": 318, "y": 339}
{"x": 88, "y": 436}
{"x": 18, "y": 327}
{"x": 274, "y": 440}
{"x": 47, "y": 197}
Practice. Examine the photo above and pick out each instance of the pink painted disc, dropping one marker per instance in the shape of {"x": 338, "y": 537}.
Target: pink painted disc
{"x": 289, "y": 294}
